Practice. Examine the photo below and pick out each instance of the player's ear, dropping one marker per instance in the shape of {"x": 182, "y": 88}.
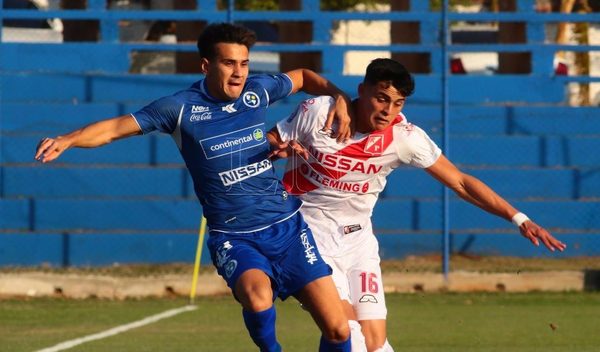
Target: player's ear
{"x": 204, "y": 65}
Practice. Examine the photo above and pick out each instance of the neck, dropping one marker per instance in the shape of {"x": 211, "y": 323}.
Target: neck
{"x": 358, "y": 124}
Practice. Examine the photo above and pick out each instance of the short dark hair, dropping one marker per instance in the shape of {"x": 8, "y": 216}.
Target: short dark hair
{"x": 223, "y": 33}
{"x": 388, "y": 70}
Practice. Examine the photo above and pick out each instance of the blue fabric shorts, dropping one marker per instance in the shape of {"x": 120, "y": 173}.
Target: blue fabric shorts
{"x": 285, "y": 251}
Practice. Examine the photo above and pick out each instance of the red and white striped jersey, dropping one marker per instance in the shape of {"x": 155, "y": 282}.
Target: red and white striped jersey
{"x": 342, "y": 181}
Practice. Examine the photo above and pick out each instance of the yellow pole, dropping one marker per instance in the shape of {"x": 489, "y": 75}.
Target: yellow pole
{"x": 201, "y": 233}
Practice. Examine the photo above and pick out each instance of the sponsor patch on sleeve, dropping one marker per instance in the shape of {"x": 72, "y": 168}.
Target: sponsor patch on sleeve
{"x": 351, "y": 228}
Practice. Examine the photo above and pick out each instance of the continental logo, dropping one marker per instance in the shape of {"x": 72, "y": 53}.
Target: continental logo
{"x": 232, "y": 142}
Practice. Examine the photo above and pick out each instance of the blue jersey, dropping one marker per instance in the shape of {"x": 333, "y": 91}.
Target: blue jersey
{"x": 224, "y": 146}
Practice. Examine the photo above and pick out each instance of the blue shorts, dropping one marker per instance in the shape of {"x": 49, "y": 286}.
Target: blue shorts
{"x": 285, "y": 251}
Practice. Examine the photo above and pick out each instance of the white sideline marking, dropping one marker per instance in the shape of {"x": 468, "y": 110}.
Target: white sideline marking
{"x": 119, "y": 329}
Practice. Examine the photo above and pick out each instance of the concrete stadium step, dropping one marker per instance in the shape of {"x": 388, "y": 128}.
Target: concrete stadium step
{"x": 98, "y": 248}
{"x": 16, "y": 214}
{"x": 135, "y": 150}
{"x": 495, "y": 150}
{"x": 589, "y": 183}
{"x": 510, "y": 183}
{"x": 91, "y": 87}
{"x": 111, "y": 248}
{"x": 59, "y": 118}
{"x": 140, "y": 215}
{"x": 427, "y": 215}
{"x": 56, "y": 181}
{"x": 498, "y": 150}
{"x": 155, "y": 215}
{"x": 39, "y": 117}
{"x": 42, "y": 116}
{"x": 64, "y": 182}
{"x": 511, "y": 244}
{"x": 75, "y": 215}
{"x": 84, "y": 85}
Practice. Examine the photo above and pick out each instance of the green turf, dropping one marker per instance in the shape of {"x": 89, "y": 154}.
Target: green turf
{"x": 417, "y": 322}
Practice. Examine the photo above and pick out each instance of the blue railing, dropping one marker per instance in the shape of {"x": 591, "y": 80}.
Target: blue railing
{"x": 430, "y": 22}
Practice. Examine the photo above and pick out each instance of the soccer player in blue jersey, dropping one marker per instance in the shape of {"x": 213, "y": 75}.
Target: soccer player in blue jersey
{"x": 258, "y": 240}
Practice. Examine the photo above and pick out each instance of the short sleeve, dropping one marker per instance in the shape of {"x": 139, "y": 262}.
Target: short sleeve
{"x": 424, "y": 151}
{"x": 160, "y": 115}
{"x": 304, "y": 119}
{"x": 276, "y": 86}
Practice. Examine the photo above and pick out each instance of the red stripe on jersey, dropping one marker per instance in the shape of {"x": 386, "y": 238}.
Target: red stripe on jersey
{"x": 357, "y": 150}
{"x": 296, "y": 183}
{"x": 327, "y": 172}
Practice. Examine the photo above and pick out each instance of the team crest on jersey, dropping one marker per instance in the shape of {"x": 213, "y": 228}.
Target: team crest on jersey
{"x": 374, "y": 145}
{"x": 251, "y": 99}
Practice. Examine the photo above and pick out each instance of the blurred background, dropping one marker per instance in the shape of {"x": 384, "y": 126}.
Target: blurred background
{"x": 510, "y": 90}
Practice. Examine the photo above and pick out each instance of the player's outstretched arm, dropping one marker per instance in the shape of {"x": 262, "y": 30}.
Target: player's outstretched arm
{"x": 478, "y": 193}
{"x": 314, "y": 84}
{"x": 281, "y": 149}
{"x": 90, "y": 136}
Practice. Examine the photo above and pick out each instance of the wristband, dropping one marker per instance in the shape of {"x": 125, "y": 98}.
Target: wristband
{"x": 519, "y": 218}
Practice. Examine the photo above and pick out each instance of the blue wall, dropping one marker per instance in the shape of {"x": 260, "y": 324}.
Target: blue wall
{"x": 132, "y": 201}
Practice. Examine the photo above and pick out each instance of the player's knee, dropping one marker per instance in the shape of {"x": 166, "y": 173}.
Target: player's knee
{"x": 337, "y": 331}
{"x": 375, "y": 335}
{"x": 254, "y": 297}
{"x": 378, "y": 344}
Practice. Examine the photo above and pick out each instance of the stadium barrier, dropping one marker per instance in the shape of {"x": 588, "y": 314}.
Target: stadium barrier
{"x": 97, "y": 207}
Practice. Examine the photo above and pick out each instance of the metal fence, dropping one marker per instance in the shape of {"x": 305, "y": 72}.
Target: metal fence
{"x": 513, "y": 130}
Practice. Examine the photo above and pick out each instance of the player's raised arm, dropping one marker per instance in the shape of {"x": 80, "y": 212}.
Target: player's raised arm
{"x": 314, "y": 84}
{"x": 90, "y": 136}
{"x": 478, "y": 193}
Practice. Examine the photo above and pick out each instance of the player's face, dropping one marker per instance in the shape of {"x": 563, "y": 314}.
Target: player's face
{"x": 226, "y": 73}
{"x": 379, "y": 105}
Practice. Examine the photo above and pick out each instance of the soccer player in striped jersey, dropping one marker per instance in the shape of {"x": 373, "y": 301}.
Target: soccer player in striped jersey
{"x": 258, "y": 240}
{"x": 339, "y": 184}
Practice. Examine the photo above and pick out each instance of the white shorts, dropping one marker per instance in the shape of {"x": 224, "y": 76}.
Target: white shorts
{"x": 357, "y": 275}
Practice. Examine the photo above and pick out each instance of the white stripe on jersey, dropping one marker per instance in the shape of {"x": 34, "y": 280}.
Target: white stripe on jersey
{"x": 177, "y": 131}
{"x": 267, "y": 95}
{"x": 260, "y": 228}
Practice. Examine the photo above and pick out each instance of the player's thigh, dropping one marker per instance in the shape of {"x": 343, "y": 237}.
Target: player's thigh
{"x": 366, "y": 285}
{"x": 233, "y": 257}
{"x": 300, "y": 263}
{"x": 321, "y": 299}
{"x": 340, "y": 280}
{"x": 339, "y": 277}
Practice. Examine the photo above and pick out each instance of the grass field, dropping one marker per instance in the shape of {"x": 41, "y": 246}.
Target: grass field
{"x": 417, "y": 322}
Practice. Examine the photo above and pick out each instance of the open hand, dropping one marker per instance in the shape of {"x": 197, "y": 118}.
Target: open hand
{"x": 49, "y": 149}
{"x": 342, "y": 113}
{"x": 536, "y": 233}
